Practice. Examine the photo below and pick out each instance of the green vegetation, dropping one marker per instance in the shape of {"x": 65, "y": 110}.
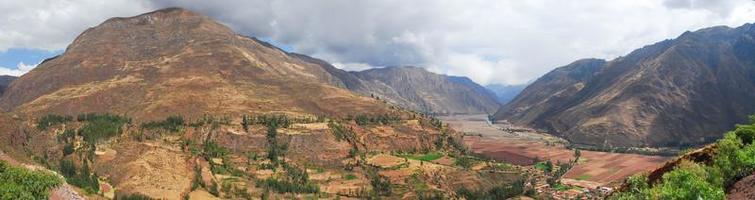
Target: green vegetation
{"x": 295, "y": 181}
{"x": 384, "y": 119}
{"x": 245, "y": 122}
{"x": 82, "y": 178}
{"x": 465, "y": 162}
{"x": 546, "y": 166}
{"x": 20, "y": 183}
{"x": 350, "y": 177}
{"x": 52, "y": 120}
{"x": 584, "y": 177}
{"x": 734, "y": 159}
{"x": 171, "y": 124}
{"x": 497, "y": 192}
{"x": 426, "y": 157}
{"x": 381, "y": 186}
{"x": 341, "y": 132}
{"x": 101, "y": 126}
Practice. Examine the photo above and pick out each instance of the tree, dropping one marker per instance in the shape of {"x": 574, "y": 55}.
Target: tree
{"x": 577, "y": 154}
{"x": 245, "y": 122}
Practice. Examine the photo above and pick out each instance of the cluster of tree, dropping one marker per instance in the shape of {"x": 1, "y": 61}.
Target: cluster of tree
{"x": 21, "y": 183}
{"x": 82, "y": 178}
{"x": 734, "y": 158}
{"x": 296, "y": 180}
{"x": 171, "y": 124}
{"x": 341, "y": 132}
{"x": 215, "y": 122}
{"x": 381, "y": 185}
{"x": 277, "y": 121}
{"x": 233, "y": 191}
{"x": 384, "y": 119}
{"x": 51, "y": 120}
{"x": 497, "y": 192}
{"x": 101, "y": 126}
{"x": 214, "y": 150}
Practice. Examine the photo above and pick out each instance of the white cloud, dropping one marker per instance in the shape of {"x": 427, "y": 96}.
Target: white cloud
{"x": 20, "y": 69}
{"x": 53, "y": 24}
{"x": 494, "y": 41}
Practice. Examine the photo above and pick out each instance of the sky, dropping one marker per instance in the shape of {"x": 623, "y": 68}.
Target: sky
{"x": 491, "y": 41}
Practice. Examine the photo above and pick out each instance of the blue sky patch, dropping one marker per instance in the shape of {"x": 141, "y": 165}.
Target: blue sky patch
{"x": 11, "y": 57}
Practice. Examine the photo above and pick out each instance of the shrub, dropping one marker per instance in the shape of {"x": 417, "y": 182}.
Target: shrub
{"x": 171, "y": 124}
{"x": 464, "y": 162}
{"x": 81, "y": 178}
{"x": 51, "y": 120}
{"x": 101, "y": 128}
{"x": 21, "y": 183}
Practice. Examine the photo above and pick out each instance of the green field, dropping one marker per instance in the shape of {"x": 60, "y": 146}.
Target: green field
{"x": 427, "y": 157}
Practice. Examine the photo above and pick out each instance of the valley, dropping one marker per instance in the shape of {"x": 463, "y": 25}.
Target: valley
{"x": 523, "y": 146}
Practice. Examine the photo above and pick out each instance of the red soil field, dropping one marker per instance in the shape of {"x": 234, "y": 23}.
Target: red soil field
{"x": 524, "y": 148}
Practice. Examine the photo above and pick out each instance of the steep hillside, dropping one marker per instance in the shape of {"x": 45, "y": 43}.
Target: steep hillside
{"x": 418, "y": 89}
{"x": 4, "y": 82}
{"x": 548, "y": 93}
{"x": 176, "y": 61}
{"x": 415, "y": 88}
{"x": 678, "y": 92}
{"x": 505, "y": 93}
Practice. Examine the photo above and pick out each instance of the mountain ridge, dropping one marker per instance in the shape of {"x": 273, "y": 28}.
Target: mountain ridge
{"x": 675, "y": 92}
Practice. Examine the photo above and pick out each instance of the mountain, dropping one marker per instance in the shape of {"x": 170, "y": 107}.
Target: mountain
{"x": 679, "y": 92}
{"x": 175, "y": 61}
{"x": 415, "y": 88}
{"x": 173, "y": 105}
{"x": 4, "y": 82}
{"x": 505, "y": 93}
{"x": 418, "y": 89}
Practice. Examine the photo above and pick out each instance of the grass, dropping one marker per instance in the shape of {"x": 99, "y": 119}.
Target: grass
{"x": 427, "y": 157}
{"x": 350, "y": 177}
{"x": 540, "y": 166}
{"x": 584, "y": 177}
{"x": 561, "y": 187}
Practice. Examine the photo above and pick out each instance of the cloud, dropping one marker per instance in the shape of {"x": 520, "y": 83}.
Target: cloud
{"x": 496, "y": 41}
{"x": 52, "y": 24}
{"x": 19, "y": 70}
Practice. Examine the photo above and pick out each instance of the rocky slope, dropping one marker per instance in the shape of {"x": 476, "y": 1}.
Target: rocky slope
{"x": 418, "y": 89}
{"x": 676, "y": 92}
{"x": 415, "y": 88}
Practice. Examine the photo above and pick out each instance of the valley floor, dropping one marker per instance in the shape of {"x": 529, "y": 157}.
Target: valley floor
{"x": 523, "y": 146}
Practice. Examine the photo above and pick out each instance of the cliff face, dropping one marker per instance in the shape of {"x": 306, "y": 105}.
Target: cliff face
{"x": 677, "y": 92}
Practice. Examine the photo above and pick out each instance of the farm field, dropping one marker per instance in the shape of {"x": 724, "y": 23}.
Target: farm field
{"x": 526, "y": 147}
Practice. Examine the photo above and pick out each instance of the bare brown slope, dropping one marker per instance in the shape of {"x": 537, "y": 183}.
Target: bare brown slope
{"x": 174, "y": 61}
{"x": 548, "y": 92}
{"x": 677, "y": 92}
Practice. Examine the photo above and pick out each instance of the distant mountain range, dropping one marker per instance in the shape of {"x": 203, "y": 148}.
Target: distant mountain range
{"x": 679, "y": 92}
{"x": 505, "y": 93}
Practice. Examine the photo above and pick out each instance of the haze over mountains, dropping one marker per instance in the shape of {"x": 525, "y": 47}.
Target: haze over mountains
{"x": 678, "y": 92}
{"x": 4, "y": 82}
